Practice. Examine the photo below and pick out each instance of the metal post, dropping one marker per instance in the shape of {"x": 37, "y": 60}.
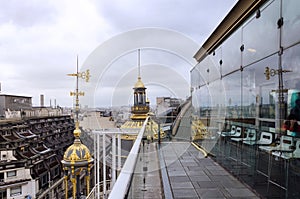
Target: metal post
{"x": 88, "y": 180}
{"x": 159, "y": 133}
{"x": 78, "y": 186}
{"x": 73, "y": 179}
{"x": 98, "y": 166}
{"x": 104, "y": 165}
{"x": 119, "y": 152}
{"x": 113, "y": 170}
{"x": 66, "y": 186}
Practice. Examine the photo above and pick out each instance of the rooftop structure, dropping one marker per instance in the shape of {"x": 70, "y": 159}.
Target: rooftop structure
{"x": 30, "y": 153}
{"x": 140, "y": 111}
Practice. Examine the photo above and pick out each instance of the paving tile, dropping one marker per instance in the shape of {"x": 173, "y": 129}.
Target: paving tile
{"x": 195, "y": 184}
{"x": 176, "y": 185}
{"x": 189, "y": 163}
{"x": 210, "y": 193}
{"x": 228, "y": 183}
{"x": 200, "y": 178}
{"x": 218, "y": 172}
{"x": 177, "y": 173}
{"x": 215, "y": 168}
{"x": 195, "y": 173}
{"x": 207, "y": 184}
{"x": 195, "y": 168}
{"x": 179, "y": 178}
{"x": 184, "y": 193}
{"x": 237, "y": 192}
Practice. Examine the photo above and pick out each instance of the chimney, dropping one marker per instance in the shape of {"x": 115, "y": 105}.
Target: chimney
{"x": 42, "y": 100}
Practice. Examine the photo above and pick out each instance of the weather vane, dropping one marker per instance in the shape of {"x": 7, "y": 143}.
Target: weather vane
{"x": 83, "y": 75}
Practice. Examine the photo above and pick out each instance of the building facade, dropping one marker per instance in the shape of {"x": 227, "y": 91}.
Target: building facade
{"x": 30, "y": 153}
{"x": 247, "y": 81}
{"x": 14, "y": 103}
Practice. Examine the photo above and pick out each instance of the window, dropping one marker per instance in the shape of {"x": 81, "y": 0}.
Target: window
{"x": 3, "y": 194}
{"x": 11, "y": 173}
{"x": 15, "y": 191}
{"x": 56, "y": 171}
{"x": 1, "y": 177}
{"x": 45, "y": 179}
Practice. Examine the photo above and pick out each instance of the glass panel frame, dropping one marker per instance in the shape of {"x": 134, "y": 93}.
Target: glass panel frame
{"x": 231, "y": 55}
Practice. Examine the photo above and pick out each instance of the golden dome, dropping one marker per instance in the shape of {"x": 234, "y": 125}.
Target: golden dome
{"x": 77, "y": 153}
{"x": 139, "y": 83}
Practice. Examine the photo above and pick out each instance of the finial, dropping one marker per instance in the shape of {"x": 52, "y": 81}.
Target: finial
{"x": 139, "y": 63}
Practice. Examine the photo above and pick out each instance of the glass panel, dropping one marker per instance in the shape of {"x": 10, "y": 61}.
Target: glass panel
{"x": 232, "y": 84}
{"x": 231, "y": 54}
{"x": 291, "y": 26}
{"x": 291, "y": 62}
{"x": 263, "y": 89}
{"x": 196, "y": 77}
{"x": 261, "y": 35}
{"x": 204, "y": 101}
{"x": 208, "y": 114}
{"x": 209, "y": 70}
{"x": 249, "y": 93}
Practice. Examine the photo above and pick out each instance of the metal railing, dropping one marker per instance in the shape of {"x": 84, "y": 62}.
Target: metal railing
{"x": 94, "y": 194}
{"x": 121, "y": 186}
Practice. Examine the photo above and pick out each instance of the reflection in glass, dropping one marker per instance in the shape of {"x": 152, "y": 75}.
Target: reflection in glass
{"x": 232, "y": 85}
{"x": 257, "y": 89}
{"x": 249, "y": 93}
{"x": 291, "y": 27}
{"x": 261, "y": 35}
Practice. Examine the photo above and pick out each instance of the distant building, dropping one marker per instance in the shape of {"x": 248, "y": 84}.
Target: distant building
{"x": 14, "y": 103}
{"x": 166, "y": 105}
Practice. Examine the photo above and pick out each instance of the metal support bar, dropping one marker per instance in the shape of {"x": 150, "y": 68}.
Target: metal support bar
{"x": 119, "y": 152}
{"x": 113, "y": 169}
{"x": 104, "y": 165}
{"x": 98, "y": 166}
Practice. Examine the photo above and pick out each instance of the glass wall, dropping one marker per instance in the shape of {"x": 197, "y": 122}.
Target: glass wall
{"x": 247, "y": 92}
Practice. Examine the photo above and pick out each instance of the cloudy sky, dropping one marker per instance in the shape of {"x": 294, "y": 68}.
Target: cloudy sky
{"x": 39, "y": 40}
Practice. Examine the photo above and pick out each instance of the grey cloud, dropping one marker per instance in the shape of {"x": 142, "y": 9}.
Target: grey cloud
{"x": 194, "y": 18}
{"x": 27, "y": 13}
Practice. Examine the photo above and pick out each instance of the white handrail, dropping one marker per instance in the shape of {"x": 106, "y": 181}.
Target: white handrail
{"x": 122, "y": 184}
{"x": 94, "y": 192}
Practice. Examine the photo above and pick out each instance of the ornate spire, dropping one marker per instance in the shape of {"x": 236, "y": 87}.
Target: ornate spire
{"x": 77, "y": 156}
{"x": 139, "y": 63}
{"x": 77, "y": 93}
